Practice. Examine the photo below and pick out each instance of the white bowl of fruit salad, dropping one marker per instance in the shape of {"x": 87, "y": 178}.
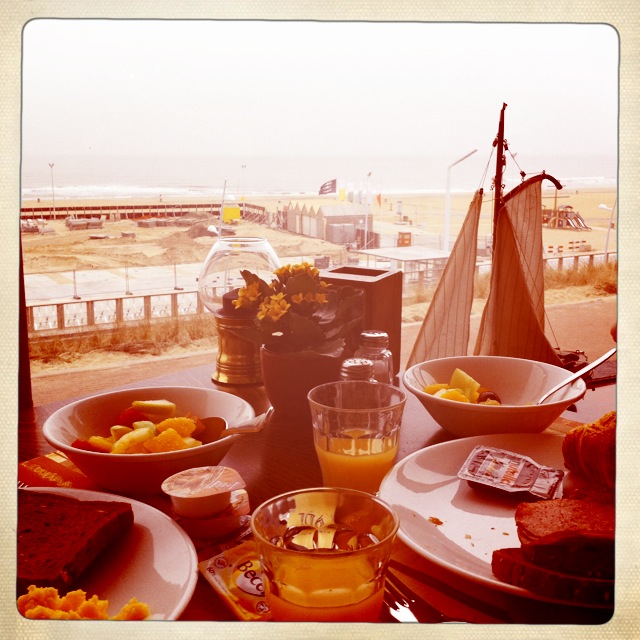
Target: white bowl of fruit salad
{"x": 129, "y": 441}
{"x": 478, "y": 395}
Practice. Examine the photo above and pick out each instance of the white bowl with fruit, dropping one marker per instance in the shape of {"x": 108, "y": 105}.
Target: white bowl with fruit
{"x": 129, "y": 441}
{"x": 478, "y": 395}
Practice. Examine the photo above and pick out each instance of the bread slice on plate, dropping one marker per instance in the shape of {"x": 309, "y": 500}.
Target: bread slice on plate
{"x": 567, "y": 551}
{"x": 535, "y": 520}
{"x": 513, "y": 567}
{"x": 59, "y": 536}
{"x": 590, "y": 555}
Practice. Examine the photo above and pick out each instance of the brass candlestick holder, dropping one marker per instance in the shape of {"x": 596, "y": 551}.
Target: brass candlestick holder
{"x": 238, "y": 360}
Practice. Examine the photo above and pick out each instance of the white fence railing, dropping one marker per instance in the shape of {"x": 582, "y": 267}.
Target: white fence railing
{"x": 63, "y": 316}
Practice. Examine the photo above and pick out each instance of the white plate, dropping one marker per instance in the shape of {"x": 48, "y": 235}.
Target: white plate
{"x": 156, "y": 562}
{"x": 425, "y": 491}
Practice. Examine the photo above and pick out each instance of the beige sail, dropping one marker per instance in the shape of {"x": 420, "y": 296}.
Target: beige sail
{"x": 445, "y": 328}
{"x": 513, "y": 318}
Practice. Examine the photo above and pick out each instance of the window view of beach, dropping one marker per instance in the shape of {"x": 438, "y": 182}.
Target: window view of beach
{"x": 143, "y": 142}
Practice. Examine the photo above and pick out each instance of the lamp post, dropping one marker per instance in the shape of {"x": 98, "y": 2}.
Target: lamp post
{"x": 444, "y": 243}
{"x": 224, "y": 191}
{"x": 243, "y": 167}
{"x": 606, "y": 242}
{"x": 368, "y": 212}
{"x": 53, "y": 195}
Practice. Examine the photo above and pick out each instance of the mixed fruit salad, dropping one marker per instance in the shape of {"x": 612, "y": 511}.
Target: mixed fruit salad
{"x": 147, "y": 426}
{"x": 463, "y": 388}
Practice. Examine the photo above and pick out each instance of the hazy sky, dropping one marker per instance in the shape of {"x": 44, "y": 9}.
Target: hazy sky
{"x": 303, "y": 88}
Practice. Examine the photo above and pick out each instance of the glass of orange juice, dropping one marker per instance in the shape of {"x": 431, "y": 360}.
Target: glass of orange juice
{"x": 356, "y": 427}
{"x": 324, "y": 554}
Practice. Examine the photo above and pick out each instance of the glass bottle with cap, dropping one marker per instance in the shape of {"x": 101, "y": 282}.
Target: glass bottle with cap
{"x": 357, "y": 369}
{"x": 374, "y": 346}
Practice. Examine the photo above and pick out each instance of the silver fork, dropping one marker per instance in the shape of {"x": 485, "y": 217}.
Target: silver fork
{"x": 399, "y": 611}
{"x": 406, "y": 606}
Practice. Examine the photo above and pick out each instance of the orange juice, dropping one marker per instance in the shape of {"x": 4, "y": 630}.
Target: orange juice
{"x": 327, "y": 607}
{"x": 357, "y": 462}
{"x": 324, "y": 553}
{"x": 326, "y": 585}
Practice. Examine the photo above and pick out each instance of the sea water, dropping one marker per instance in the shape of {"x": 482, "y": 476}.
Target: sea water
{"x": 191, "y": 177}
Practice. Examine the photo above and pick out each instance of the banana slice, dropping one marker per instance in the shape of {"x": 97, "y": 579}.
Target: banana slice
{"x": 163, "y": 408}
{"x": 133, "y": 438}
{"x": 118, "y": 430}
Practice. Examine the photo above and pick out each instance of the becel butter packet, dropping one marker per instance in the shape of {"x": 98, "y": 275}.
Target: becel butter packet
{"x": 236, "y": 575}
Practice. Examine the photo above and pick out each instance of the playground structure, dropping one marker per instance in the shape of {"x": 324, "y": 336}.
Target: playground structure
{"x": 564, "y": 217}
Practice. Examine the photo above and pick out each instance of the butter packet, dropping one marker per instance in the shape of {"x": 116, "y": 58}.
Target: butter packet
{"x": 495, "y": 468}
{"x": 236, "y": 575}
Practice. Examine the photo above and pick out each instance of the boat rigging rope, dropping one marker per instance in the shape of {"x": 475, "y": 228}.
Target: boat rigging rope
{"x": 486, "y": 169}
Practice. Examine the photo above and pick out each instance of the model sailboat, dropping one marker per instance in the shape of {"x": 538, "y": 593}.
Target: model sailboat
{"x": 513, "y": 320}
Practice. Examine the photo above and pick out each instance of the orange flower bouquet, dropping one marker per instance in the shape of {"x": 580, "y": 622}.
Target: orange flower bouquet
{"x": 297, "y": 311}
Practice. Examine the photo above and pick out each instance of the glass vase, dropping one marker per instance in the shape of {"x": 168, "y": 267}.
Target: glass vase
{"x": 220, "y": 272}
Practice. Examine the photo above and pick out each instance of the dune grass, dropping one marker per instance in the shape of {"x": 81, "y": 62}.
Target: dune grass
{"x": 140, "y": 338}
{"x": 602, "y": 277}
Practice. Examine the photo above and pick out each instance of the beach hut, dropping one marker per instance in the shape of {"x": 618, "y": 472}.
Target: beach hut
{"x": 344, "y": 223}
{"x": 292, "y": 219}
{"x": 309, "y": 221}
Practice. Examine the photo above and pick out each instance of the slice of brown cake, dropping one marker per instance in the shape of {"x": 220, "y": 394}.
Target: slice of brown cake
{"x": 60, "y": 536}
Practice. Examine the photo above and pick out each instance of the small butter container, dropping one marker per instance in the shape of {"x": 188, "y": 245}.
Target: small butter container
{"x": 203, "y": 491}
{"x": 495, "y": 468}
{"x": 234, "y": 516}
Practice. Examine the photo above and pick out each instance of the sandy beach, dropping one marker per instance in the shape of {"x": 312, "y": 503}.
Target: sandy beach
{"x": 65, "y": 250}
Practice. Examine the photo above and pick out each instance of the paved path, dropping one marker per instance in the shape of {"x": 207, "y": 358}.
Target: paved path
{"x": 95, "y": 283}
{"x": 59, "y": 286}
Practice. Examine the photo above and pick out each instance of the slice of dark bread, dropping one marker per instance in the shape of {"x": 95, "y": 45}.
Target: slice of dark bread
{"x": 513, "y": 567}
{"x": 537, "y": 519}
{"x": 567, "y": 551}
{"x": 60, "y": 536}
{"x": 590, "y": 555}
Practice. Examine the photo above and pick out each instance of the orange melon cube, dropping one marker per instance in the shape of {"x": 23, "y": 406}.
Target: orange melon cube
{"x": 453, "y": 394}
{"x": 432, "y": 389}
{"x": 168, "y": 440}
{"x": 184, "y": 426}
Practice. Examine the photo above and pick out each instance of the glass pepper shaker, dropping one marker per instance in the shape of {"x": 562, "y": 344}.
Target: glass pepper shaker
{"x": 357, "y": 369}
{"x": 374, "y": 346}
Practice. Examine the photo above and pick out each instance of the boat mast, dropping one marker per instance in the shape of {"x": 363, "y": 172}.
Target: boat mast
{"x": 499, "y": 142}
